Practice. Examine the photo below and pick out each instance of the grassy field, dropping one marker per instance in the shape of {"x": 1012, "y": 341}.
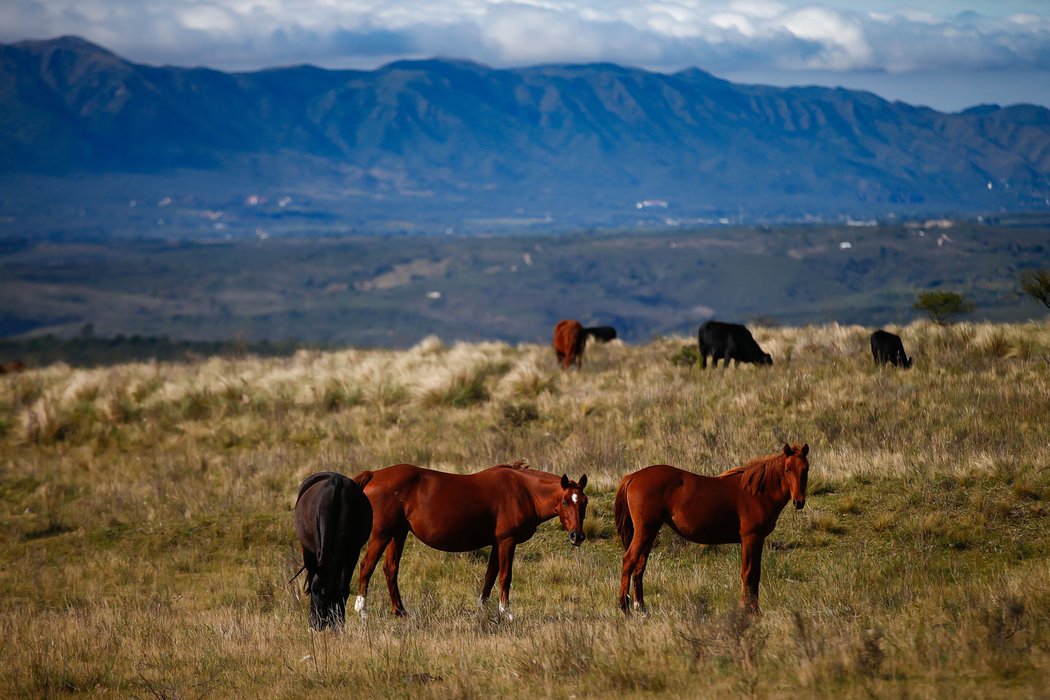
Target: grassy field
{"x": 146, "y": 537}
{"x": 372, "y": 291}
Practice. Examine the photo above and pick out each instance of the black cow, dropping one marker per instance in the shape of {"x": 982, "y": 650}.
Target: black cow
{"x": 888, "y": 348}
{"x": 729, "y": 341}
{"x": 603, "y": 334}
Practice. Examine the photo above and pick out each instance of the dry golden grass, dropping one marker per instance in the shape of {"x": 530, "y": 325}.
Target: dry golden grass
{"x": 146, "y": 533}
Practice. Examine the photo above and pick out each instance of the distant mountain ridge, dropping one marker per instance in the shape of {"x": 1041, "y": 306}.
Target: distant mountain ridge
{"x": 447, "y": 138}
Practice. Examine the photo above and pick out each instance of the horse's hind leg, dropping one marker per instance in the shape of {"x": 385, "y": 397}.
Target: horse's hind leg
{"x": 634, "y": 560}
{"x": 639, "y": 571}
{"x": 390, "y": 568}
{"x": 376, "y": 545}
{"x": 625, "y": 580}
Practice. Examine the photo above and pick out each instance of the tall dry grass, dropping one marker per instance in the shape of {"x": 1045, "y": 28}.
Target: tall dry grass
{"x": 146, "y": 534}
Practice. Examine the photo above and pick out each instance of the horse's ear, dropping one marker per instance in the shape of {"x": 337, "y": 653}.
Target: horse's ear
{"x": 583, "y": 482}
{"x": 565, "y": 481}
{"x": 787, "y": 450}
{"x": 805, "y": 450}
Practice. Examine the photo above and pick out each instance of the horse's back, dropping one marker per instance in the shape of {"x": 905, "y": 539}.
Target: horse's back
{"x": 700, "y": 508}
{"x": 450, "y": 512}
{"x": 332, "y": 501}
{"x": 313, "y": 479}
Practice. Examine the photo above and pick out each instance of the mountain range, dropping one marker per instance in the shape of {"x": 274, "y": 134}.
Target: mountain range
{"x": 92, "y": 144}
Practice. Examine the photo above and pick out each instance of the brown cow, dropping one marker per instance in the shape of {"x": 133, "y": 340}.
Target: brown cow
{"x": 11, "y": 367}
{"x": 569, "y": 340}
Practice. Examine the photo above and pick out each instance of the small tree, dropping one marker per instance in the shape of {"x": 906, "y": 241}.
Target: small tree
{"x": 1036, "y": 284}
{"x": 943, "y": 306}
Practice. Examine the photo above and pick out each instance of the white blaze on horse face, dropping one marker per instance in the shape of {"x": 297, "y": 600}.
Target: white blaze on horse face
{"x": 575, "y": 498}
{"x": 359, "y": 606}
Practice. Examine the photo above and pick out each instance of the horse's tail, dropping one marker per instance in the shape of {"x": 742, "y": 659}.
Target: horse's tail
{"x": 363, "y": 478}
{"x": 328, "y": 522}
{"x": 622, "y": 514}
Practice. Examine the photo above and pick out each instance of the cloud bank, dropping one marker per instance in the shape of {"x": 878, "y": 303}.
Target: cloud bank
{"x": 733, "y": 36}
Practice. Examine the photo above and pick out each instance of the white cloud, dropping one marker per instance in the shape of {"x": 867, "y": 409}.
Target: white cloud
{"x": 717, "y": 35}
{"x": 840, "y": 40}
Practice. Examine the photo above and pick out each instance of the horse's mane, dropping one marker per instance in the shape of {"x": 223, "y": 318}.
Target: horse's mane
{"x": 523, "y": 467}
{"x": 756, "y": 472}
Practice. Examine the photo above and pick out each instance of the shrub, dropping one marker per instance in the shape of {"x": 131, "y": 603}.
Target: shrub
{"x": 518, "y": 414}
{"x": 942, "y": 307}
{"x": 686, "y": 356}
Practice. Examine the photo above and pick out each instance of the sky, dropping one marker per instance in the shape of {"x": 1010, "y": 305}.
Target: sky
{"x": 946, "y": 54}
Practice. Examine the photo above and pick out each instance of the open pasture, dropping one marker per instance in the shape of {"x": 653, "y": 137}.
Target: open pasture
{"x": 146, "y": 533}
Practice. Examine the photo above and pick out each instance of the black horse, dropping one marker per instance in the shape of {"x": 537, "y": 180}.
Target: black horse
{"x": 333, "y": 519}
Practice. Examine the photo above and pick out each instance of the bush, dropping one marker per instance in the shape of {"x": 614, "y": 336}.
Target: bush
{"x": 943, "y": 306}
{"x": 686, "y": 356}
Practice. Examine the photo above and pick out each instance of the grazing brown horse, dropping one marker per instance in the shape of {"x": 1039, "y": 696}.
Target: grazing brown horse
{"x": 740, "y": 505}
{"x": 501, "y": 506}
{"x": 569, "y": 340}
{"x": 332, "y": 520}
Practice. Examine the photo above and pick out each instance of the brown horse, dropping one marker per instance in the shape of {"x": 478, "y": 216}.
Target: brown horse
{"x": 332, "y": 520}
{"x": 740, "y": 505}
{"x": 501, "y": 506}
{"x": 569, "y": 341}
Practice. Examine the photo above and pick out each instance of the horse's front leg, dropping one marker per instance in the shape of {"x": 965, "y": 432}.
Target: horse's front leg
{"x": 506, "y": 564}
{"x": 490, "y": 575}
{"x": 750, "y": 570}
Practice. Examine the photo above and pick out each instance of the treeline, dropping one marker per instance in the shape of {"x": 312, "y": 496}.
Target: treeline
{"x": 94, "y": 351}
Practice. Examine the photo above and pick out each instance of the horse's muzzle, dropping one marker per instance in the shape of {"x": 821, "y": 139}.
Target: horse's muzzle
{"x": 800, "y": 504}
{"x": 576, "y": 538}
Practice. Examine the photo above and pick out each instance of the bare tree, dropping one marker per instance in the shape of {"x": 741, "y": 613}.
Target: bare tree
{"x": 1036, "y": 284}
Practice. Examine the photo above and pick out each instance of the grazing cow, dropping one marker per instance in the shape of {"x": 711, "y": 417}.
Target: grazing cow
{"x": 603, "y": 334}
{"x": 729, "y": 341}
{"x": 333, "y": 519}
{"x": 11, "y": 367}
{"x": 888, "y": 348}
{"x": 569, "y": 340}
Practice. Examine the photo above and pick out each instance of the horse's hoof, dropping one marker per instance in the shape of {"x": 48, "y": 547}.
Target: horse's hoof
{"x": 505, "y": 612}
{"x": 642, "y": 610}
{"x": 400, "y": 612}
{"x": 359, "y": 607}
